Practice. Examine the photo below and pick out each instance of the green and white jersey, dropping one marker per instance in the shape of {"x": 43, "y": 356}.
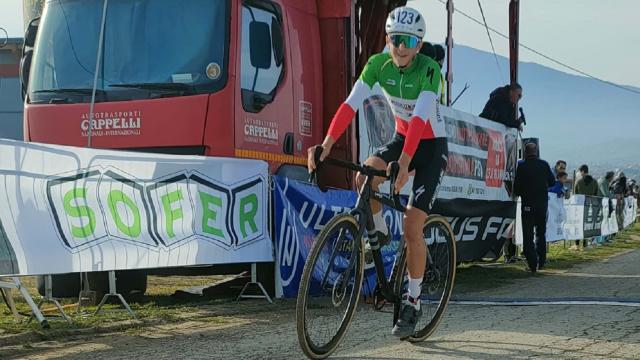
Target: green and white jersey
{"x": 411, "y": 91}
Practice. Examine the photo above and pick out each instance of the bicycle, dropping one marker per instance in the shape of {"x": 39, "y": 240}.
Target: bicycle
{"x": 332, "y": 277}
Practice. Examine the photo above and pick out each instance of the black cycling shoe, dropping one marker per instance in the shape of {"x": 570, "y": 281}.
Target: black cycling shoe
{"x": 408, "y": 318}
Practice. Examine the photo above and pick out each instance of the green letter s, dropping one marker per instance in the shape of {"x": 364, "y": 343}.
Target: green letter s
{"x": 79, "y": 212}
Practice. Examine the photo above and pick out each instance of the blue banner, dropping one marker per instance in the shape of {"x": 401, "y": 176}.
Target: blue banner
{"x": 301, "y": 211}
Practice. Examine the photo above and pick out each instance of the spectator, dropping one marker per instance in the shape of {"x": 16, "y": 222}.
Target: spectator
{"x": 558, "y": 187}
{"x": 436, "y": 52}
{"x": 604, "y": 184}
{"x": 427, "y": 50}
{"x": 561, "y": 165}
{"x": 586, "y": 185}
{"x": 501, "y": 106}
{"x": 619, "y": 184}
{"x": 619, "y": 189}
{"x": 533, "y": 178}
{"x": 439, "y": 55}
{"x": 630, "y": 186}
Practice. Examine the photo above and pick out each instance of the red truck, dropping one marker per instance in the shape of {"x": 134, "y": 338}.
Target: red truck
{"x": 236, "y": 78}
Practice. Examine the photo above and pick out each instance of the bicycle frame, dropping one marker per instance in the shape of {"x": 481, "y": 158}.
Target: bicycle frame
{"x": 362, "y": 212}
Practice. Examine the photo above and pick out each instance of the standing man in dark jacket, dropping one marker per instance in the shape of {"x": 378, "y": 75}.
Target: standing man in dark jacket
{"x": 501, "y": 106}
{"x": 533, "y": 178}
{"x": 587, "y": 185}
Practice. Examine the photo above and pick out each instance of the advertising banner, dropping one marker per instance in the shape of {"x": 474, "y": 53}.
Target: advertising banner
{"x": 581, "y": 217}
{"x": 482, "y": 153}
{"x": 302, "y": 210}
{"x": 66, "y": 209}
{"x": 593, "y": 216}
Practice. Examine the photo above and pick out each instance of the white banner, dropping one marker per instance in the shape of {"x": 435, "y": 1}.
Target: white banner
{"x": 482, "y": 154}
{"x": 629, "y": 210}
{"x": 566, "y": 217}
{"x": 609, "y": 221}
{"x": 574, "y": 223}
{"x": 556, "y": 217}
{"x": 67, "y": 209}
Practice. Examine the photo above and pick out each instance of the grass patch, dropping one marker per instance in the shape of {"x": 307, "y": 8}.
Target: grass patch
{"x": 480, "y": 276}
{"x": 158, "y": 306}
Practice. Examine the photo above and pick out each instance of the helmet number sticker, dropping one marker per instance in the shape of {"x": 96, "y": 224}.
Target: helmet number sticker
{"x": 405, "y": 18}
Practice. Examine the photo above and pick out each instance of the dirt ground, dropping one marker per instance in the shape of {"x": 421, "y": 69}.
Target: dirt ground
{"x": 256, "y": 330}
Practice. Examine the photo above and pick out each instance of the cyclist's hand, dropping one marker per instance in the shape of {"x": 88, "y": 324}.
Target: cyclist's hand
{"x": 403, "y": 177}
{"x": 311, "y": 161}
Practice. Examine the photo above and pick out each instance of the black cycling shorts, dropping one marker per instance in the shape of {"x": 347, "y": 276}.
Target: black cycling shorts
{"x": 429, "y": 162}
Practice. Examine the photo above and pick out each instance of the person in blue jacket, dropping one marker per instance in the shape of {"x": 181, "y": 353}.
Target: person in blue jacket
{"x": 558, "y": 187}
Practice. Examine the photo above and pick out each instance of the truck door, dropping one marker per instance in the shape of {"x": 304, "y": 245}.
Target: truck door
{"x": 263, "y": 116}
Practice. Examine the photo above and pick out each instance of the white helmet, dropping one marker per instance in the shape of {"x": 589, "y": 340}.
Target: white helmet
{"x": 406, "y": 20}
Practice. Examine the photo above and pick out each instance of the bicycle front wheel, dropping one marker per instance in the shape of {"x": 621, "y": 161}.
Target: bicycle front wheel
{"x": 330, "y": 287}
{"x": 439, "y": 276}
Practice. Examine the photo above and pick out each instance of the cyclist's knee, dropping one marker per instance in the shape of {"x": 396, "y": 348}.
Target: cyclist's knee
{"x": 377, "y": 163}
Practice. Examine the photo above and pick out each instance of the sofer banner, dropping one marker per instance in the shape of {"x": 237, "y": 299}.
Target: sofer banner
{"x": 66, "y": 209}
{"x": 301, "y": 210}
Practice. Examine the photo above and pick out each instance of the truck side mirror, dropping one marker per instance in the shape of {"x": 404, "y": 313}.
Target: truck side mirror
{"x": 278, "y": 42}
{"x": 27, "y": 54}
{"x": 31, "y": 32}
{"x": 260, "y": 44}
{"x": 25, "y": 67}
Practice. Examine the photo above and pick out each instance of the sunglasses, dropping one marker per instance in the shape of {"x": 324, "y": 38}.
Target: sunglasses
{"x": 409, "y": 41}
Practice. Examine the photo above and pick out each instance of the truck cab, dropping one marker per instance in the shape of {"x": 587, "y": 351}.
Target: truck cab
{"x": 235, "y": 78}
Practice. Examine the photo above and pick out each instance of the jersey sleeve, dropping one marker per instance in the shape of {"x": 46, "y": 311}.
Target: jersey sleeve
{"x": 361, "y": 90}
{"x": 425, "y": 109}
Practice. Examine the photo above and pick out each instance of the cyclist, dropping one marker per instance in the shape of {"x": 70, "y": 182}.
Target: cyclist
{"x": 410, "y": 83}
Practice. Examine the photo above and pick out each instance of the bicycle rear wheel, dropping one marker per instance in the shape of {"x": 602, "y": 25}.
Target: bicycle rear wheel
{"x": 330, "y": 287}
{"x": 439, "y": 276}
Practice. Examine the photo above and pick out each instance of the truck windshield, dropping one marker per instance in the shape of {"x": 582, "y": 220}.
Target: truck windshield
{"x": 179, "y": 47}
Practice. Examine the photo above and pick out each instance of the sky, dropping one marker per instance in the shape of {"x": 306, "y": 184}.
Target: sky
{"x": 595, "y": 36}
{"x": 591, "y": 35}
{"x": 11, "y": 18}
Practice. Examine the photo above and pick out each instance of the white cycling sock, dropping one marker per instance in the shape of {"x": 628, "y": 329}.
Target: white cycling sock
{"x": 415, "y": 289}
{"x": 378, "y": 221}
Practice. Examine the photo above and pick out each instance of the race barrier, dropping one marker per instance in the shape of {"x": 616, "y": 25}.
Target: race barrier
{"x": 475, "y": 192}
{"x": 302, "y": 210}
{"x": 581, "y": 217}
{"x": 474, "y": 195}
{"x": 69, "y": 210}
{"x": 482, "y": 153}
